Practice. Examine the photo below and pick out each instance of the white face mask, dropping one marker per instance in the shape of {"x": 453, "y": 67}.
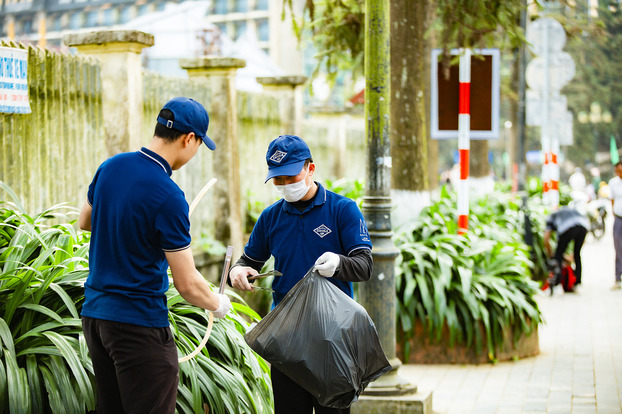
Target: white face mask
{"x": 295, "y": 191}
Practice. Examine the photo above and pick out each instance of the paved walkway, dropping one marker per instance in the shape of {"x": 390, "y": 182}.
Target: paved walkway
{"x": 578, "y": 370}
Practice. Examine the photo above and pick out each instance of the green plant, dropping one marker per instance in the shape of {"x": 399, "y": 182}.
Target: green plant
{"x": 44, "y": 362}
{"x": 353, "y": 189}
{"x": 534, "y": 188}
{"x": 227, "y": 374}
{"x": 466, "y": 282}
{"x": 210, "y": 245}
{"x": 253, "y": 210}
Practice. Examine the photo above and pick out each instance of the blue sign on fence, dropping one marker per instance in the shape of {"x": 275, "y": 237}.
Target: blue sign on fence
{"x": 14, "y": 81}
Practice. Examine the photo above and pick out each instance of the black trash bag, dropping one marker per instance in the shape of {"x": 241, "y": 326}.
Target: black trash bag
{"x": 323, "y": 340}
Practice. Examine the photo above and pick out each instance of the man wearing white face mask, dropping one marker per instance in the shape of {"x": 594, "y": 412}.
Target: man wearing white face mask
{"x": 310, "y": 226}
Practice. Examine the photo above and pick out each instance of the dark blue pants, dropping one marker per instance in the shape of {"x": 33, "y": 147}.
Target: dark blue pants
{"x": 136, "y": 368}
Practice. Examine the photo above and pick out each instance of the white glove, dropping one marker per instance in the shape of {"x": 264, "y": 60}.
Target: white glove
{"x": 224, "y": 307}
{"x": 327, "y": 263}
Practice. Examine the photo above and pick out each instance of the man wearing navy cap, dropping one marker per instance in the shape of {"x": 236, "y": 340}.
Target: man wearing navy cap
{"x": 139, "y": 223}
{"x": 308, "y": 227}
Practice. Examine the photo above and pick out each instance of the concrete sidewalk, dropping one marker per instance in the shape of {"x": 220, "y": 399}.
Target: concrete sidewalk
{"x": 578, "y": 370}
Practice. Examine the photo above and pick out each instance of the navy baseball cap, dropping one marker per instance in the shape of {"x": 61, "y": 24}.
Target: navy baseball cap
{"x": 286, "y": 156}
{"x": 189, "y": 116}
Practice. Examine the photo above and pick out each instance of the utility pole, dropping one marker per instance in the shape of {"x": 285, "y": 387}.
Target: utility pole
{"x": 378, "y": 294}
{"x": 520, "y": 116}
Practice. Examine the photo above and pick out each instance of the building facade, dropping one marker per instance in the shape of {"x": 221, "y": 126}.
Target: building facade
{"x": 43, "y": 22}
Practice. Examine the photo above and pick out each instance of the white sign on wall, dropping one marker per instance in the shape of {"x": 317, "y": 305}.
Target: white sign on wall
{"x": 14, "y": 81}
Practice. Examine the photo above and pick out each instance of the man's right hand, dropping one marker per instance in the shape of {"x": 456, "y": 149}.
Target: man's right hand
{"x": 224, "y": 307}
{"x": 239, "y": 277}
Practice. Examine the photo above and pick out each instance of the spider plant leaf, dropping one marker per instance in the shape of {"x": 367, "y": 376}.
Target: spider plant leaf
{"x": 17, "y": 385}
{"x": 42, "y": 309}
{"x": 34, "y": 384}
{"x": 14, "y": 197}
{"x": 4, "y": 393}
{"x": 66, "y": 299}
{"x": 79, "y": 374}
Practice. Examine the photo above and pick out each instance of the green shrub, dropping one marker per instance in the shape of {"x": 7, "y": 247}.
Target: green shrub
{"x": 464, "y": 282}
{"x": 44, "y": 360}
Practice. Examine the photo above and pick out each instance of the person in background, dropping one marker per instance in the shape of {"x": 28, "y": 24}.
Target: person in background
{"x": 603, "y": 190}
{"x": 309, "y": 227}
{"x": 577, "y": 181}
{"x": 615, "y": 189}
{"x": 578, "y": 190}
{"x": 595, "y": 182}
{"x": 139, "y": 223}
{"x": 571, "y": 226}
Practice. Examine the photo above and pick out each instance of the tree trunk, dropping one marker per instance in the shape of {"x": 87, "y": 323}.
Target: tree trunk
{"x": 410, "y": 75}
{"x": 479, "y": 166}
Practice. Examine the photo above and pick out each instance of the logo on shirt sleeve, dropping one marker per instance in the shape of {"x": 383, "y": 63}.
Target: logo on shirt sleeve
{"x": 322, "y": 231}
{"x": 278, "y": 156}
{"x": 363, "y": 231}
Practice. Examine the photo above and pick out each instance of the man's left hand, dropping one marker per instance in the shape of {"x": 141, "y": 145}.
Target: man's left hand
{"x": 327, "y": 264}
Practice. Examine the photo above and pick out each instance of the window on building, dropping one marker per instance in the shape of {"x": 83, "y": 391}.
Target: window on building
{"x": 220, "y": 7}
{"x": 240, "y": 29}
{"x": 262, "y": 4}
{"x": 263, "y": 30}
{"x": 91, "y": 18}
{"x": 27, "y": 26}
{"x": 222, "y": 27}
{"x": 108, "y": 19}
{"x": 241, "y": 6}
{"x": 126, "y": 14}
{"x": 143, "y": 9}
{"x": 55, "y": 23}
{"x": 75, "y": 21}
{"x": 160, "y": 6}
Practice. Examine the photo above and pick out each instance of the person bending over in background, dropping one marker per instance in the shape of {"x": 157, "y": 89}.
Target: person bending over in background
{"x": 570, "y": 225}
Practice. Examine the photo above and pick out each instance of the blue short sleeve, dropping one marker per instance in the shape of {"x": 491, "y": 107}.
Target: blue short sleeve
{"x": 354, "y": 233}
{"x": 91, "y": 191}
{"x": 257, "y": 247}
{"x": 173, "y": 224}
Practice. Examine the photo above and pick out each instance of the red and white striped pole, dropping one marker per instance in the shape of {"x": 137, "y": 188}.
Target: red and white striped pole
{"x": 554, "y": 174}
{"x": 546, "y": 168}
{"x": 464, "y": 128}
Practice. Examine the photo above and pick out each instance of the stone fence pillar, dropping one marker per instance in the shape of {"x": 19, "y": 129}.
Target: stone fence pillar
{"x": 118, "y": 52}
{"x": 218, "y": 73}
{"x": 289, "y": 91}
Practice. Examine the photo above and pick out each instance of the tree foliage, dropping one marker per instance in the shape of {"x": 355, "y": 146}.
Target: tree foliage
{"x": 337, "y": 28}
{"x": 593, "y": 43}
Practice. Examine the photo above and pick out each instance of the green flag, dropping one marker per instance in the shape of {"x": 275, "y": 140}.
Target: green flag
{"x": 615, "y": 158}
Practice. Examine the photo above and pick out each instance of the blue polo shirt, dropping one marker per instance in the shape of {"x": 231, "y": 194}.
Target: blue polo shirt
{"x": 139, "y": 213}
{"x": 331, "y": 223}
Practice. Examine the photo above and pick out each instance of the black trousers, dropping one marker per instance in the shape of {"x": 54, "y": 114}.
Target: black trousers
{"x": 576, "y": 234}
{"x": 291, "y": 398}
{"x": 136, "y": 368}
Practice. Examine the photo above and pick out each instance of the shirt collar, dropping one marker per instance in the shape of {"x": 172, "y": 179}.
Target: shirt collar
{"x": 157, "y": 159}
{"x": 318, "y": 200}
